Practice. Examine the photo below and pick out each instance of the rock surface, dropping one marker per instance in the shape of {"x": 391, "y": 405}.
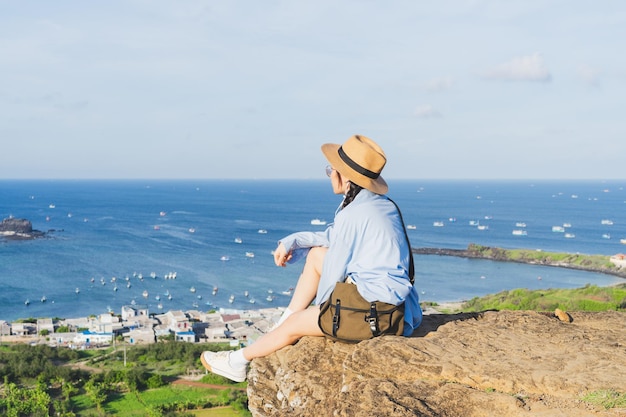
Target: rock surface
{"x": 18, "y": 229}
{"x": 507, "y": 363}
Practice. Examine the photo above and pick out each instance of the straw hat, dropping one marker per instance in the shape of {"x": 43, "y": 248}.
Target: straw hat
{"x": 360, "y": 160}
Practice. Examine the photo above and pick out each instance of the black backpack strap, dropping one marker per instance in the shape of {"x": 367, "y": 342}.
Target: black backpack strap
{"x": 406, "y": 235}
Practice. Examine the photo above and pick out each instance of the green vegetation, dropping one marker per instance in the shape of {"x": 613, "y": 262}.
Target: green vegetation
{"x": 41, "y": 381}
{"x": 607, "y": 399}
{"x": 601, "y": 263}
{"x": 588, "y": 298}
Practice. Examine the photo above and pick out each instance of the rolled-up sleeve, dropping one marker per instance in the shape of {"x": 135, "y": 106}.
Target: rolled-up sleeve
{"x": 299, "y": 243}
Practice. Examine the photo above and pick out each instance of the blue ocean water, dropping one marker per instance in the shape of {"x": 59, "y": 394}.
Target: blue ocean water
{"x": 111, "y": 236}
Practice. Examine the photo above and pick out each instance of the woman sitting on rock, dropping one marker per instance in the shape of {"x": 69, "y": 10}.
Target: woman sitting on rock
{"x": 365, "y": 245}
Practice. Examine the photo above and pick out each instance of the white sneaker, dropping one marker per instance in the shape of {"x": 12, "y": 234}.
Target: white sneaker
{"x": 219, "y": 363}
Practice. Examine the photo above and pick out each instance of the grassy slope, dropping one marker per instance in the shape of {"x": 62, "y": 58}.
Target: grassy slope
{"x": 588, "y": 298}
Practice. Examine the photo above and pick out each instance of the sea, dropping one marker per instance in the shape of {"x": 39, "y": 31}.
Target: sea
{"x": 207, "y": 244}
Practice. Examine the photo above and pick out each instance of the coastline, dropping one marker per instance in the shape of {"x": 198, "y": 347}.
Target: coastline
{"x": 588, "y": 263}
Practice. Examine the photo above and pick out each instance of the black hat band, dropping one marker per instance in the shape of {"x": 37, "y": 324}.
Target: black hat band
{"x": 358, "y": 168}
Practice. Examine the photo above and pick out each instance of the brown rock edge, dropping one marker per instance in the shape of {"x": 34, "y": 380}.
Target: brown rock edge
{"x": 506, "y": 363}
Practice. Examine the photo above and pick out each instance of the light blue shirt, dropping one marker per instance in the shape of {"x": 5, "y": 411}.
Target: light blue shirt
{"x": 366, "y": 242}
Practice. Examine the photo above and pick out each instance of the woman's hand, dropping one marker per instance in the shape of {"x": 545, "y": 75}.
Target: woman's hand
{"x": 281, "y": 256}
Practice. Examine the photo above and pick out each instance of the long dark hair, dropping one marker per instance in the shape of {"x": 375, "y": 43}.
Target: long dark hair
{"x": 352, "y": 192}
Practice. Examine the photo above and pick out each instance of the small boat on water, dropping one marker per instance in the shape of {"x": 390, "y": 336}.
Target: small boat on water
{"x": 318, "y": 222}
{"x": 438, "y": 224}
{"x": 238, "y": 240}
{"x": 44, "y": 299}
{"x": 192, "y": 289}
{"x": 246, "y": 293}
{"x": 145, "y": 293}
{"x": 231, "y": 299}
{"x": 606, "y": 222}
{"x": 262, "y": 231}
{"x": 224, "y": 258}
{"x": 558, "y": 229}
{"x": 482, "y": 227}
{"x": 606, "y": 236}
{"x": 26, "y": 302}
{"x": 520, "y": 224}
{"x": 519, "y": 232}
{"x": 411, "y": 226}
{"x": 77, "y": 290}
{"x": 249, "y": 254}
{"x": 214, "y": 291}
{"x": 570, "y": 235}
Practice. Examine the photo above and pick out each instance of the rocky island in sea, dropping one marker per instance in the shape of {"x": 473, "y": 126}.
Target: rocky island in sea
{"x": 22, "y": 229}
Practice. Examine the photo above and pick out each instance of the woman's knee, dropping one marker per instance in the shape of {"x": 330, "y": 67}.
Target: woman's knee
{"x": 316, "y": 256}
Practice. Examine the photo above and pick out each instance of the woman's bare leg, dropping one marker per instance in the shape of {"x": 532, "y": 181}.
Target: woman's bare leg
{"x": 301, "y": 323}
{"x": 306, "y": 288}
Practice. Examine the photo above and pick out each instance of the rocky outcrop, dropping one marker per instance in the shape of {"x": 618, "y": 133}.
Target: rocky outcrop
{"x": 505, "y": 255}
{"x": 18, "y": 229}
{"x": 508, "y": 363}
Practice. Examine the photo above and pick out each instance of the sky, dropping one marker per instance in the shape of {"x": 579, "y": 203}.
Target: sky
{"x": 466, "y": 89}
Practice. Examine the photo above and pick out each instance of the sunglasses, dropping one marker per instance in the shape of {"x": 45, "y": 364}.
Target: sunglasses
{"x": 329, "y": 170}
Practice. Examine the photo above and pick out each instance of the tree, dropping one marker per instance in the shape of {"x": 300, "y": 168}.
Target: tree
{"x": 97, "y": 393}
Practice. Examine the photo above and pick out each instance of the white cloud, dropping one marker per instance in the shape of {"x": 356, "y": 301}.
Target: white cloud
{"x": 439, "y": 84}
{"x": 524, "y": 68}
{"x": 426, "y": 111}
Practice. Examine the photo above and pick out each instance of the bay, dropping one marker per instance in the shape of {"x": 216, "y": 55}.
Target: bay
{"x": 108, "y": 234}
